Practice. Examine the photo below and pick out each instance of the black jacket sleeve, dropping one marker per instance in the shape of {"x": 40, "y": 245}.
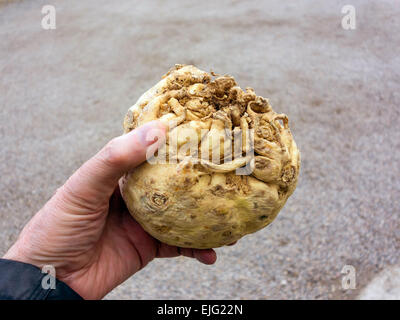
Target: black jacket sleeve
{"x": 23, "y": 281}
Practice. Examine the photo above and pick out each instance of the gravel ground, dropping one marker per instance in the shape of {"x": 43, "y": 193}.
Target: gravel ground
{"x": 64, "y": 93}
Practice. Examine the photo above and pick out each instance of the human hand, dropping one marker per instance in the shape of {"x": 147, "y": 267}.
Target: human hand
{"x": 85, "y": 230}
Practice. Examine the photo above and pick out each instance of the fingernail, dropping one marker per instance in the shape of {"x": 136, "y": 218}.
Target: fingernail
{"x": 150, "y": 132}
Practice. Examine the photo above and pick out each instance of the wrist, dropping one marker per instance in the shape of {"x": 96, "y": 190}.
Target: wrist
{"x": 17, "y": 254}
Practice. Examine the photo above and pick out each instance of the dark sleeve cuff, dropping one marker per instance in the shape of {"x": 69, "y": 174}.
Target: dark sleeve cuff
{"x": 23, "y": 281}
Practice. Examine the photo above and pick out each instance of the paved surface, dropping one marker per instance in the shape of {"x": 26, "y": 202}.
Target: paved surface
{"x": 63, "y": 94}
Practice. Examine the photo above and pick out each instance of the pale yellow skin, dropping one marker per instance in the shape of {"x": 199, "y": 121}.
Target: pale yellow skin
{"x": 197, "y": 203}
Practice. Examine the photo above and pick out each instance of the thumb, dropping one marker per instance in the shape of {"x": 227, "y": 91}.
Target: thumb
{"x": 95, "y": 181}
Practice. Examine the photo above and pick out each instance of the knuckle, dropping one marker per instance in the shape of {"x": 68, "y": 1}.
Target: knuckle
{"x": 111, "y": 154}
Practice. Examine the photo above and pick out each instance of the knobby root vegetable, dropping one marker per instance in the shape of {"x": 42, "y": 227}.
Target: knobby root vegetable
{"x": 196, "y": 199}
